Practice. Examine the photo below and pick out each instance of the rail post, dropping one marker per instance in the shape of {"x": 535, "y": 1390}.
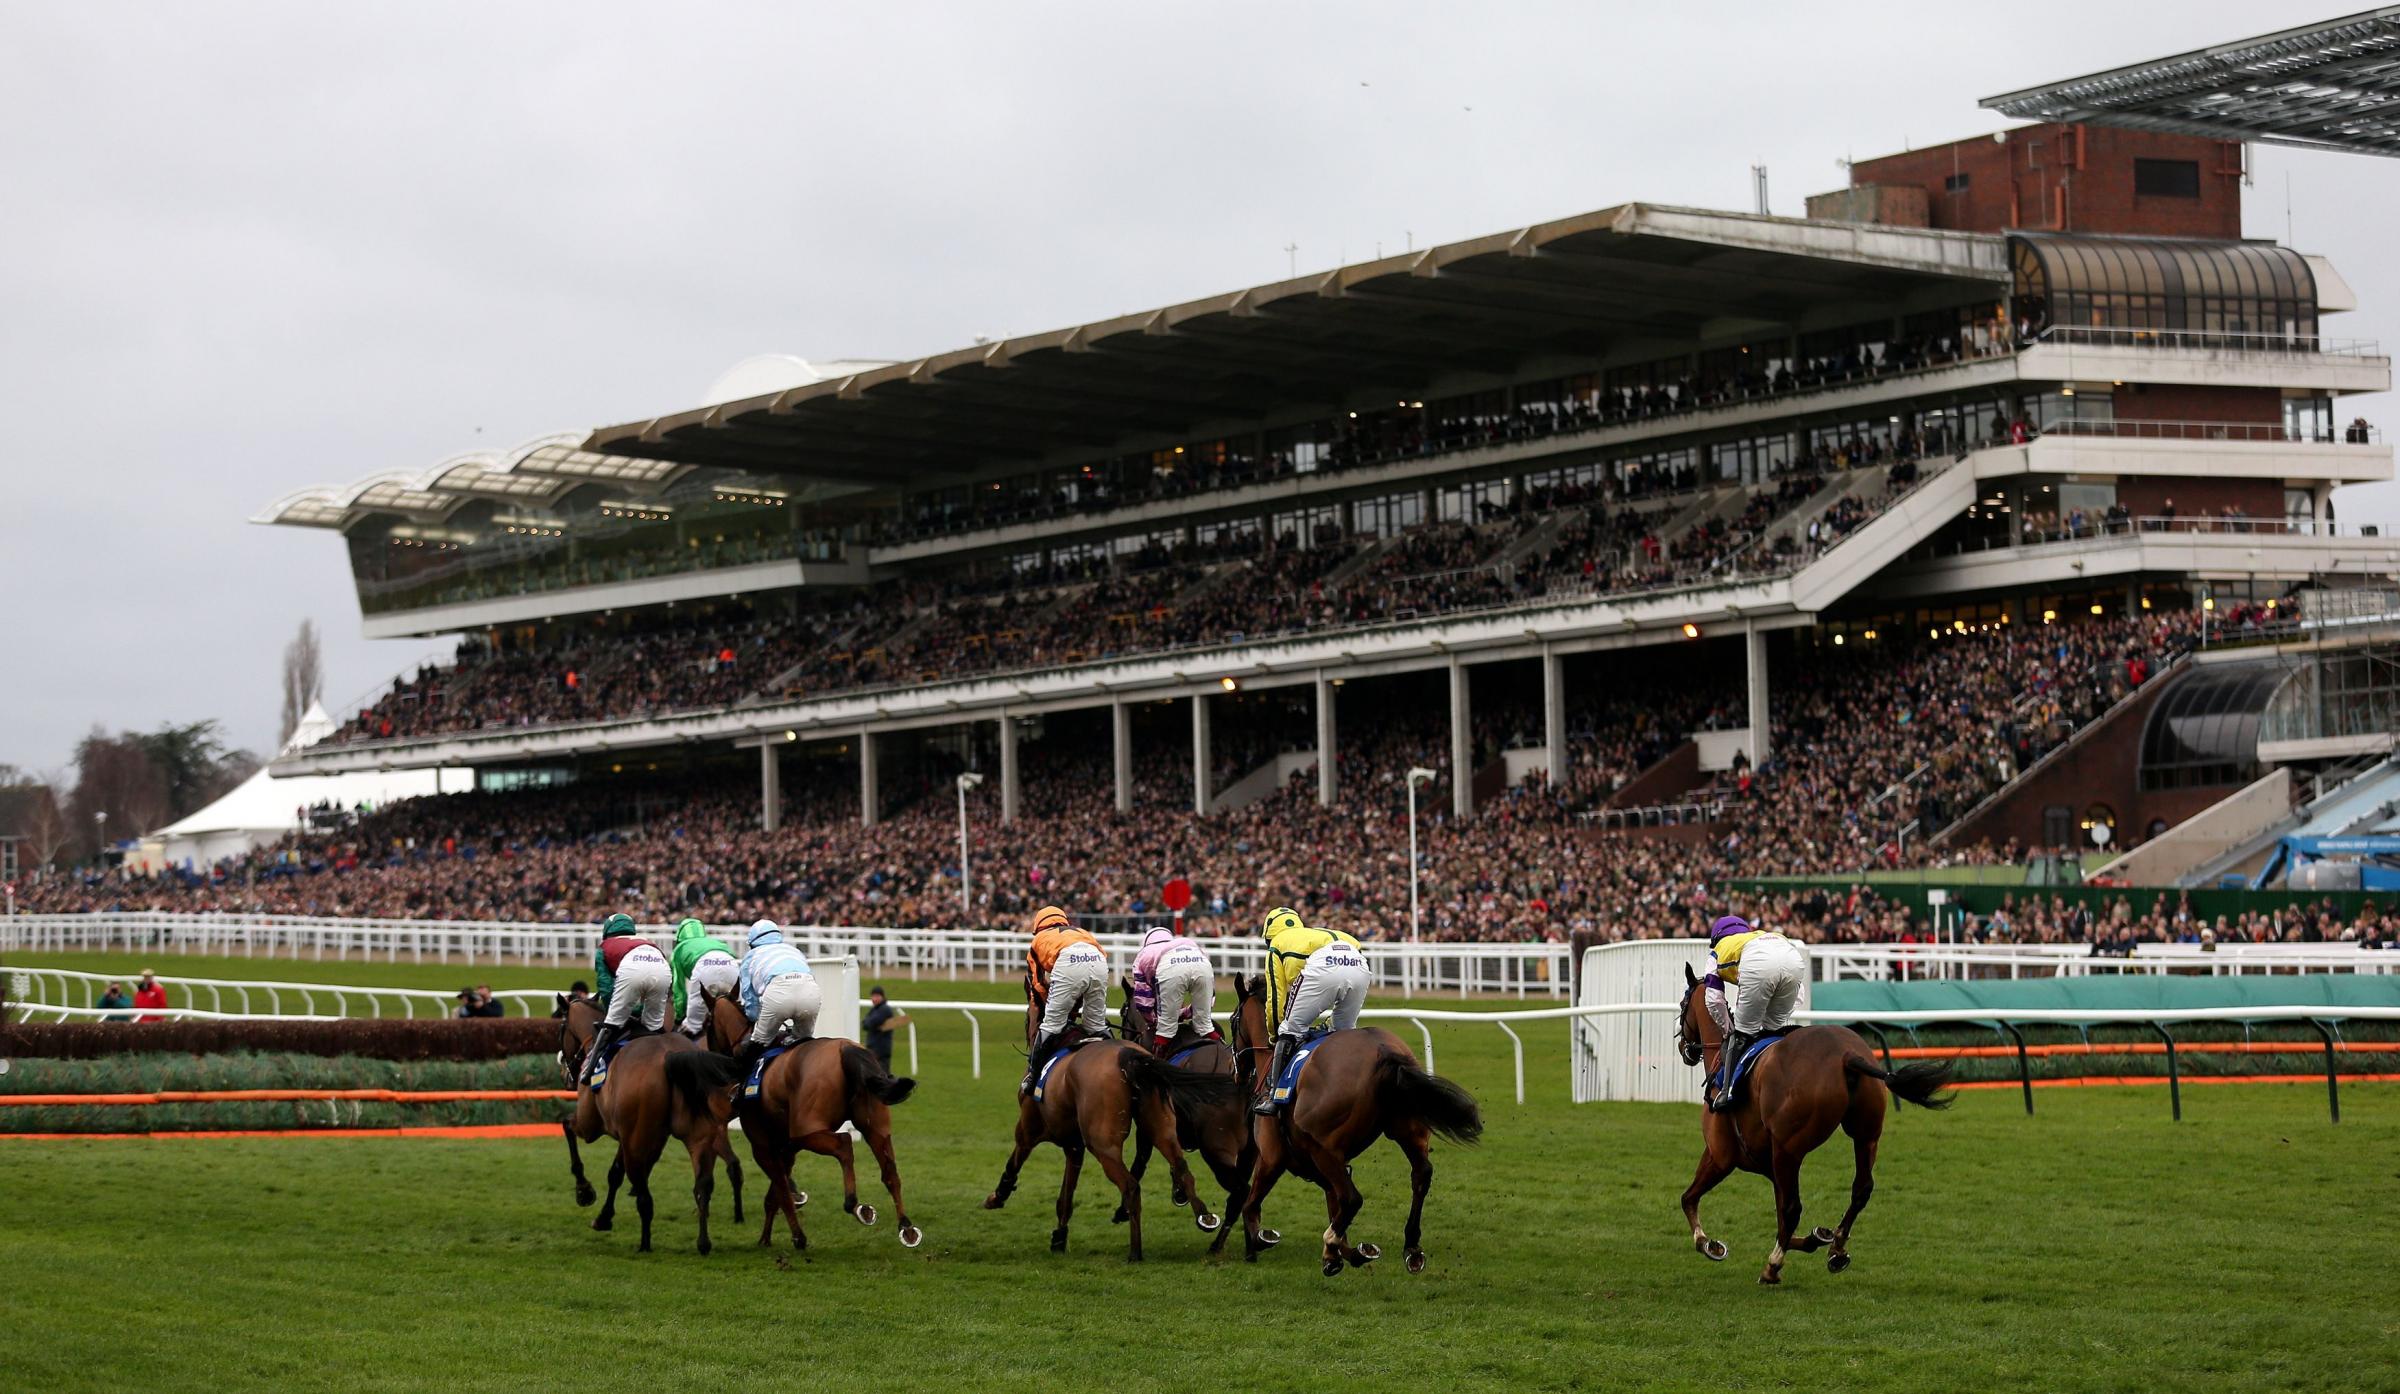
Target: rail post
{"x": 2174, "y": 1077}
{"x": 2024, "y": 1068}
{"x": 2333, "y": 1092}
{"x": 1517, "y": 1043}
{"x": 1427, "y": 1033}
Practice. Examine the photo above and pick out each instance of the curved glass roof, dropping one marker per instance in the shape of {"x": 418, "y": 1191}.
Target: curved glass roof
{"x": 2058, "y": 264}
{"x": 2210, "y": 719}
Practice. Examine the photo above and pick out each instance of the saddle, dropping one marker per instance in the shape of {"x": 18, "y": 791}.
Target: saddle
{"x": 1186, "y": 1044}
{"x": 1749, "y": 1060}
{"x": 632, "y": 1034}
{"x": 1041, "y": 1081}
{"x": 1289, "y": 1080}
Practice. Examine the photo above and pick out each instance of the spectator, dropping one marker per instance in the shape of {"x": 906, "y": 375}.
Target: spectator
{"x": 150, "y": 997}
{"x": 881, "y": 1020}
{"x": 486, "y": 1005}
{"x": 113, "y": 998}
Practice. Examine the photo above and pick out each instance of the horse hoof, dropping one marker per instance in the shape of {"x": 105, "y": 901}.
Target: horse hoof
{"x": 1058, "y": 1241}
{"x": 911, "y": 1236}
{"x": 1120, "y": 1217}
{"x": 1416, "y": 1263}
{"x": 603, "y": 1223}
{"x": 864, "y": 1214}
{"x": 994, "y": 1201}
{"x": 585, "y": 1195}
{"x": 799, "y": 1198}
{"x": 1209, "y": 1224}
{"x": 1368, "y": 1253}
{"x": 1269, "y": 1238}
{"x": 1837, "y": 1263}
{"x": 1333, "y": 1268}
{"x": 1768, "y": 1280}
{"x": 1713, "y": 1250}
{"x": 1822, "y": 1235}
{"x": 705, "y": 1246}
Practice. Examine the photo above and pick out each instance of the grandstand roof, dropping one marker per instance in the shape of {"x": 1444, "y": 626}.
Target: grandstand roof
{"x": 535, "y": 474}
{"x": 1613, "y": 283}
{"x": 2328, "y": 86}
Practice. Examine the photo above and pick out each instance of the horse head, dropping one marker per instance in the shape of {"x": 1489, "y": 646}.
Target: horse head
{"x": 1250, "y": 1037}
{"x": 1691, "y": 1041}
{"x": 726, "y": 1025}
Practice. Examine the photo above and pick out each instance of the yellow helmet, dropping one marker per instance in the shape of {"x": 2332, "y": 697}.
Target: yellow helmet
{"x": 1280, "y": 919}
{"x": 1051, "y": 917}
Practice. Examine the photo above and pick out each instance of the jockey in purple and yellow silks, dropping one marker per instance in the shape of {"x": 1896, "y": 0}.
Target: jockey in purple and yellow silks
{"x": 1766, "y": 971}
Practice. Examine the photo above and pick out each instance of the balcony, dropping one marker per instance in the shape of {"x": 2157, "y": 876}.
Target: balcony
{"x": 2200, "y": 358}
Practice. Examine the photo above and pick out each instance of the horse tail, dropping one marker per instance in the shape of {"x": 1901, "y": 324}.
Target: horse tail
{"x": 1438, "y": 1103}
{"x": 697, "y": 1075}
{"x": 1920, "y": 1082}
{"x": 1188, "y": 1090}
{"x": 863, "y": 1073}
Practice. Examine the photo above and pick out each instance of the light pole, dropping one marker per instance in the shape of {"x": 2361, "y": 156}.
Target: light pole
{"x": 966, "y": 904}
{"x": 100, "y": 853}
{"x": 1416, "y": 776}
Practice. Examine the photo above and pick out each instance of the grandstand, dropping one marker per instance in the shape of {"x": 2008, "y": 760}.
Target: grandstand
{"x": 1907, "y": 515}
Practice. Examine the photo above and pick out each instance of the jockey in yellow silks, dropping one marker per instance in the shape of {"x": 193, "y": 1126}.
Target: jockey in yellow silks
{"x": 1310, "y": 972}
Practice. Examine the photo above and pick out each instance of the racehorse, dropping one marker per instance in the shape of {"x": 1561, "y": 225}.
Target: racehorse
{"x": 1356, "y": 1086}
{"x": 1817, "y": 1079}
{"x": 1099, "y": 1093}
{"x": 657, "y": 1087}
{"x": 805, "y": 1096}
{"x": 1219, "y": 1132}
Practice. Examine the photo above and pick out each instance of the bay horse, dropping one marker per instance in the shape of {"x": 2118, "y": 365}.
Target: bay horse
{"x": 805, "y": 1096}
{"x": 1357, "y": 1085}
{"x": 657, "y": 1087}
{"x": 1817, "y": 1079}
{"x": 1103, "y": 1091}
{"x": 1219, "y": 1132}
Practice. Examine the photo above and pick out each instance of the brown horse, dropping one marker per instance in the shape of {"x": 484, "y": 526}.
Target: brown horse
{"x": 1357, "y": 1086}
{"x": 657, "y": 1087}
{"x": 1219, "y": 1132}
{"x": 805, "y": 1096}
{"x": 1102, "y": 1092}
{"x": 1818, "y": 1079}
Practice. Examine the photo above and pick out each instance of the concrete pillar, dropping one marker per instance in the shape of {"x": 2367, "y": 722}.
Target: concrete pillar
{"x": 1200, "y": 757}
{"x": 1757, "y": 640}
{"x": 1554, "y": 719}
{"x": 870, "y": 786}
{"x": 770, "y": 787}
{"x": 1462, "y": 744}
{"x": 1120, "y": 721}
{"x": 1328, "y": 778}
{"x": 1008, "y": 769}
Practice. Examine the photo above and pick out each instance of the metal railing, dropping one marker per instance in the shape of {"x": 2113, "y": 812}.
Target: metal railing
{"x": 1659, "y": 815}
{"x": 70, "y": 993}
{"x": 2213, "y": 430}
{"x": 2245, "y": 344}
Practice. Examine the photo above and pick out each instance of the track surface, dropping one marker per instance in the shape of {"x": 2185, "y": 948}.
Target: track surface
{"x": 2096, "y": 1246}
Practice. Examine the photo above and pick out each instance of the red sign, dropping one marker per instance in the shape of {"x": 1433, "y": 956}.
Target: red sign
{"x": 1177, "y": 895}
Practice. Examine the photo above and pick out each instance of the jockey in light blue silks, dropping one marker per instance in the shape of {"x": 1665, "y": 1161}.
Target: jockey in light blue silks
{"x": 778, "y": 992}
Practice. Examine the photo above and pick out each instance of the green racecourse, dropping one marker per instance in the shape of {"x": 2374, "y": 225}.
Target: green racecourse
{"x": 2094, "y": 1246}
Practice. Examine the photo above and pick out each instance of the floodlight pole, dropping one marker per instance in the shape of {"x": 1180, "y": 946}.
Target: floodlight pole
{"x": 966, "y": 901}
{"x": 1416, "y": 776}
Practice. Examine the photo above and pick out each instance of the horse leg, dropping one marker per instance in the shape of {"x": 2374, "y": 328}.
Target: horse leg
{"x": 843, "y": 1153}
{"x": 1862, "y": 1185}
{"x": 1714, "y": 1168}
{"x": 584, "y": 1194}
{"x": 875, "y": 1125}
{"x": 1141, "y": 1163}
{"x": 1787, "y": 1210}
{"x": 1234, "y": 1176}
{"x": 1158, "y": 1124}
{"x": 1266, "y": 1168}
{"x": 733, "y": 1170}
{"x": 704, "y": 1183}
{"x": 1342, "y": 1201}
{"x": 1066, "y": 1197}
{"x": 1028, "y": 1134}
{"x": 1129, "y": 1192}
{"x": 607, "y": 1218}
{"x": 639, "y": 1174}
{"x": 1417, "y": 1144}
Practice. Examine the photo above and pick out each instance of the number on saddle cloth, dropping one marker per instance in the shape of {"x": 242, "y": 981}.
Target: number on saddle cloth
{"x": 758, "y": 1072}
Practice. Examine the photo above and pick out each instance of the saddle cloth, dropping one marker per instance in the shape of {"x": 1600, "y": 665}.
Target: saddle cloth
{"x": 1749, "y": 1060}
{"x": 1042, "y": 1080}
{"x": 1290, "y": 1078}
{"x": 758, "y": 1072}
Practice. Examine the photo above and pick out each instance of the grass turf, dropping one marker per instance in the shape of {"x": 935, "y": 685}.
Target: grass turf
{"x": 2094, "y": 1246}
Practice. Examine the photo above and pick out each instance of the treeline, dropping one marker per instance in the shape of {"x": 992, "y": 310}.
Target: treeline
{"x": 122, "y": 785}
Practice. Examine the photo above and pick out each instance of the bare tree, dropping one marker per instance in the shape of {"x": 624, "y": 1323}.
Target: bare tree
{"x": 303, "y": 678}
{"x": 44, "y": 825}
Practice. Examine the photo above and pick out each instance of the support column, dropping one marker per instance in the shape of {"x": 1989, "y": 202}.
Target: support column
{"x": 770, "y": 787}
{"x": 1008, "y": 769}
{"x": 1462, "y": 744}
{"x": 1328, "y": 778}
{"x": 870, "y": 786}
{"x": 1757, "y": 642}
{"x": 1120, "y": 721}
{"x": 1200, "y": 758}
{"x": 1554, "y": 720}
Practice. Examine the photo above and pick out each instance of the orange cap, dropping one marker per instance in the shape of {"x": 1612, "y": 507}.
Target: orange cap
{"x": 1051, "y": 917}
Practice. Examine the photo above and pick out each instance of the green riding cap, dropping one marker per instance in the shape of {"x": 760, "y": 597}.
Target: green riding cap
{"x": 616, "y": 925}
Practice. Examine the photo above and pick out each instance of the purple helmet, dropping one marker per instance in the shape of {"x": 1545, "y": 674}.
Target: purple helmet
{"x": 1727, "y": 924}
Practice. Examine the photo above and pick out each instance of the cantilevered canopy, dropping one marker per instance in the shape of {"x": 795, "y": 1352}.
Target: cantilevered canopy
{"x": 534, "y": 475}
{"x": 2329, "y": 86}
{"x": 1620, "y": 284}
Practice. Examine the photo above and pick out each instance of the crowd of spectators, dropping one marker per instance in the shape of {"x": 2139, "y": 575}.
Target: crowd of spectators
{"x": 1875, "y": 751}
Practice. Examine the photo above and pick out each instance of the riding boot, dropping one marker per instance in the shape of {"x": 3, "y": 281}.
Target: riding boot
{"x": 602, "y": 1039}
{"x": 1162, "y": 1046}
{"x": 1033, "y": 1062}
{"x": 1284, "y": 1046}
{"x": 1736, "y": 1043}
{"x": 746, "y": 1054}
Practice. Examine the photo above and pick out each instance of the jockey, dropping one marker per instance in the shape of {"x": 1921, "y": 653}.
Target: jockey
{"x": 633, "y": 976}
{"x": 702, "y": 966}
{"x": 1068, "y": 973}
{"x": 1766, "y": 971}
{"x": 778, "y": 991}
{"x": 1173, "y": 983}
{"x": 1309, "y": 972}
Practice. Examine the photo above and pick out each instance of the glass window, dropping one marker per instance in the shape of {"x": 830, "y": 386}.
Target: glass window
{"x": 2167, "y": 178}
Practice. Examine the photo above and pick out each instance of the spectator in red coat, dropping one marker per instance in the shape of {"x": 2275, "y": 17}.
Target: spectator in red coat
{"x": 150, "y": 997}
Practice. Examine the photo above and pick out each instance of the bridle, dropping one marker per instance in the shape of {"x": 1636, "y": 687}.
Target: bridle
{"x": 1693, "y": 1050}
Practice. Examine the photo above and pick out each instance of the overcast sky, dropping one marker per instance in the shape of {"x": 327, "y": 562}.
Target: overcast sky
{"x": 248, "y": 248}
